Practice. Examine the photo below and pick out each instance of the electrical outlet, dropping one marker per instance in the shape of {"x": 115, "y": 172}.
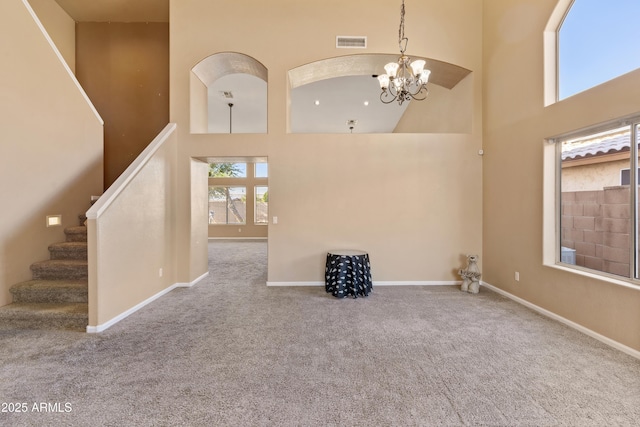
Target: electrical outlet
{"x": 160, "y": 272}
{"x": 517, "y": 276}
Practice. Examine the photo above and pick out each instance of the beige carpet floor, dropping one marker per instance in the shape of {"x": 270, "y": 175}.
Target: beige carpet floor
{"x": 232, "y": 352}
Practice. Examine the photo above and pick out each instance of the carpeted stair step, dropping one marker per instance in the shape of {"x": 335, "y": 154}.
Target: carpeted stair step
{"x": 68, "y": 250}
{"x": 60, "y": 269}
{"x": 45, "y": 316}
{"x": 76, "y": 234}
{"x": 50, "y": 291}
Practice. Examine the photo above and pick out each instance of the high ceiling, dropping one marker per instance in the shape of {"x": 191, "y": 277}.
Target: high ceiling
{"x": 117, "y": 10}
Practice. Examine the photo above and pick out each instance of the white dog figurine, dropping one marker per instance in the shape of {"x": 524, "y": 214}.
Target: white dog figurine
{"x": 470, "y": 275}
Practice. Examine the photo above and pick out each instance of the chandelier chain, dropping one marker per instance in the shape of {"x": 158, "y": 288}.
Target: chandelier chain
{"x": 401, "y": 37}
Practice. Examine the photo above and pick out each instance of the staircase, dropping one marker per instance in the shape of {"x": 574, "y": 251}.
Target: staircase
{"x": 56, "y": 297}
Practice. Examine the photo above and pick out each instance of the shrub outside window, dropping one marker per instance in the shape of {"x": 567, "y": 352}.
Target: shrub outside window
{"x": 227, "y": 170}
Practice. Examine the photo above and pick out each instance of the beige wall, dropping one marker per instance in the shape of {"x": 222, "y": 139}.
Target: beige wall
{"x": 124, "y": 67}
{"x": 50, "y": 146}
{"x": 60, "y": 27}
{"x": 446, "y": 111}
{"x": 131, "y": 234}
{"x": 515, "y": 126}
{"x": 324, "y": 188}
{"x": 199, "y": 191}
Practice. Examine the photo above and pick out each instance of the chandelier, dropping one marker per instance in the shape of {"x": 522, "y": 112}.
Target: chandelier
{"x": 405, "y": 79}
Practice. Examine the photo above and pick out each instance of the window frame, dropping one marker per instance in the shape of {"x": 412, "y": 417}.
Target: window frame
{"x": 555, "y": 150}
{"x": 228, "y": 186}
{"x": 255, "y": 205}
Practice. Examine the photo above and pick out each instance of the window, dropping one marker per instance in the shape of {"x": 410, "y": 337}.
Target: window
{"x": 597, "y": 41}
{"x": 625, "y": 176}
{"x": 261, "y": 211}
{"x": 227, "y": 204}
{"x": 227, "y": 170}
{"x": 597, "y": 218}
{"x": 262, "y": 170}
{"x": 231, "y": 185}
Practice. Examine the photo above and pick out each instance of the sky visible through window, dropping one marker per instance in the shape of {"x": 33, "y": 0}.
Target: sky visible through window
{"x": 261, "y": 170}
{"x": 599, "y": 40}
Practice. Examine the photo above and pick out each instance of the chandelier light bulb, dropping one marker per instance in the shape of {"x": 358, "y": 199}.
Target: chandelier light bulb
{"x": 424, "y": 76}
{"x": 417, "y": 67}
{"x": 384, "y": 81}
{"x": 392, "y": 69}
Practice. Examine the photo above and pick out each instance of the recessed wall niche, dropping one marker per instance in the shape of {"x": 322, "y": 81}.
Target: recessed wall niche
{"x": 228, "y": 94}
{"x": 342, "y": 95}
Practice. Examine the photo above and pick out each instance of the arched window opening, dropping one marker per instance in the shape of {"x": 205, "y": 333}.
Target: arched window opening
{"x": 597, "y": 42}
{"x": 342, "y": 95}
{"x": 228, "y": 95}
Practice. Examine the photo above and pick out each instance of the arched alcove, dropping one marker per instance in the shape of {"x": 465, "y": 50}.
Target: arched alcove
{"x": 228, "y": 94}
{"x": 326, "y": 94}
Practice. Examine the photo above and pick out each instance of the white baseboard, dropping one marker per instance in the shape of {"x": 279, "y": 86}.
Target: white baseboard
{"x": 418, "y": 283}
{"x": 612, "y": 343}
{"x": 375, "y": 283}
{"x": 238, "y": 238}
{"x": 104, "y": 326}
{"x": 192, "y": 283}
{"x": 295, "y": 283}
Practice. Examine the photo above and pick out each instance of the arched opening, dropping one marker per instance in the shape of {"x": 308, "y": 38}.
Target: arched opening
{"x": 228, "y": 94}
{"x": 578, "y": 58}
{"x": 329, "y": 95}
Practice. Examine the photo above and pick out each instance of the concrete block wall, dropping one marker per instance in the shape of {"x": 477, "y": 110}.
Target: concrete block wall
{"x": 597, "y": 225}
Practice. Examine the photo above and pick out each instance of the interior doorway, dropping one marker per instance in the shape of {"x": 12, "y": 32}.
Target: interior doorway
{"x": 238, "y": 198}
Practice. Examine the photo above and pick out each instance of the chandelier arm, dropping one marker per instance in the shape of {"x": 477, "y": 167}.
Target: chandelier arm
{"x": 417, "y": 96}
{"x": 393, "y": 91}
{"x": 419, "y": 89}
{"x": 386, "y": 94}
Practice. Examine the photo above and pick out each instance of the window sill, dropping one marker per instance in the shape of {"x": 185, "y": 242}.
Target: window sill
{"x": 604, "y": 277}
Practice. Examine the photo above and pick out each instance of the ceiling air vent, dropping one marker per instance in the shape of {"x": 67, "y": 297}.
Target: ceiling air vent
{"x": 226, "y": 94}
{"x": 351, "y": 42}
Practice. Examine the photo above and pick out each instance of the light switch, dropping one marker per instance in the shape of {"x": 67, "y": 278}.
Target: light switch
{"x": 275, "y": 219}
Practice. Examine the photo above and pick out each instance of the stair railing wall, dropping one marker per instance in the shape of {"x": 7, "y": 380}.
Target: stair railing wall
{"x": 131, "y": 235}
